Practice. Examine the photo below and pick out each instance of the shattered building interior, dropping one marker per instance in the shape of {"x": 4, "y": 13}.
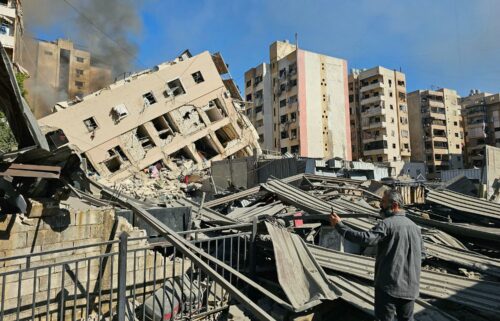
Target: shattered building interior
{"x": 75, "y": 249}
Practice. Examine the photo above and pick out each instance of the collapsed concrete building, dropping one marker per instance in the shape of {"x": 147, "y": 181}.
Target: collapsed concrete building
{"x": 186, "y": 109}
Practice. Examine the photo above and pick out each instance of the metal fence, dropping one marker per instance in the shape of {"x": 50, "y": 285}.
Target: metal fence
{"x": 145, "y": 278}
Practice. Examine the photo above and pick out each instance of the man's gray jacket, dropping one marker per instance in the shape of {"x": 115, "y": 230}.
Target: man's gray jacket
{"x": 399, "y": 254}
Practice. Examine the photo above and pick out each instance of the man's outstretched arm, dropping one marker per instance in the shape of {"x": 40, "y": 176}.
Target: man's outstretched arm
{"x": 366, "y": 238}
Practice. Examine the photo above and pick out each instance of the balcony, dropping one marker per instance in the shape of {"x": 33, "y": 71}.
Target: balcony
{"x": 377, "y": 85}
{"x": 367, "y": 138}
{"x": 7, "y": 41}
{"x": 372, "y": 152}
{"x": 7, "y": 11}
{"x": 374, "y": 125}
{"x": 373, "y": 111}
{"x": 371, "y": 100}
{"x": 435, "y": 103}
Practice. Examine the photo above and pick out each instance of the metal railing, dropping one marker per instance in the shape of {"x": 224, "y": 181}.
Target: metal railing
{"x": 146, "y": 278}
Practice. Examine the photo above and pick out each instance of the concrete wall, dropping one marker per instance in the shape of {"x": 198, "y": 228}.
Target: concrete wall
{"x": 52, "y": 228}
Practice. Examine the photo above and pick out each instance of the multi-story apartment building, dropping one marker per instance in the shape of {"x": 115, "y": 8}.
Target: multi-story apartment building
{"x": 379, "y": 115}
{"x": 436, "y": 129}
{"x": 11, "y": 27}
{"x": 179, "y": 110}
{"x": 61, "y": 71}
{"x": 298, "y": 103}
{"x": 481, "y": 112}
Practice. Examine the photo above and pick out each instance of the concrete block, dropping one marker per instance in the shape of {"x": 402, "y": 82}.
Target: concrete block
{"x": 90, "y": 217}
{"x": 15, "y": 241}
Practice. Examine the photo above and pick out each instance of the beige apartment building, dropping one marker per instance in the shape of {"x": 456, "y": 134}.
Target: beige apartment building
{"x": 60, "y": 71}
{"x": 11, "y": 27}
{"x": 379, "y": 115}
{"x": 298, "y": 103}
{"x": 436, "y": 130}
{"x": 179, "y": 110}
{"x": 481, "y": 113}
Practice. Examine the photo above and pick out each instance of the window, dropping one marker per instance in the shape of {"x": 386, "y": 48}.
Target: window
{"x": 91, "y": 124}
{"x": 284, "y": 119}
{"x": 292, "y": 83}
{"x": 284, "y": 134}
{"x": 391, "y": 106}
{"x": 149, "y": 98}
{"x": 119, "y": 112}
{"x": 393, "y": 145}
{"x": 80, "y": 59}
{"x": 79, "y": 72}
{"x": 390, "y": 83}
{"x": 455, "y": 123}
{"x": 198, "y": 77}
{"x": 351, "y": 99}
{"x": 457, "y": 146}
{"x": 293, "y": 117}
{"x": 404, "y": 133}
{"x": 175, "y": 88}
{"x": 249, "y": 83}
{"x": 401, "y": 83}
{"x": 284, "y": 150}
{"x": 249, "y": 97}
{"x": 407, "y": 146}
{"x": 390, "y": 94}
{"x": 294, "y": 149}
{"x": 283, "y": 103}
{"x": 79, "y": 84}
{"x": 456, "y": 134}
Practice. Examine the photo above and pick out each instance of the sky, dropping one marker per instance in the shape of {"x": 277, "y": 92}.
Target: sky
{"x": 436, "y": 43}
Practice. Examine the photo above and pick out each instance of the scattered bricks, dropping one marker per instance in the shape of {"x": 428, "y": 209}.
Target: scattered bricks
{"x": 15, "y": 241}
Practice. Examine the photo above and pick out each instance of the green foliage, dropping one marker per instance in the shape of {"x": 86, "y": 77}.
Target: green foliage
{"x": 7, "y": 140}
{"x": 20, "y": 77}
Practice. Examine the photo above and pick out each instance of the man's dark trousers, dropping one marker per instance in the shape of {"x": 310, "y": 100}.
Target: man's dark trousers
{"x": 386, "y": 306}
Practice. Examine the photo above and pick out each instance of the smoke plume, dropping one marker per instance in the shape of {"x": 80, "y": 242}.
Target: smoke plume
{"x": 103, "y": 27}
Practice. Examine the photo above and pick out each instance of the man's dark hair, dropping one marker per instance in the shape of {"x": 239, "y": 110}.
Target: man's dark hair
{"x": 394, "y": 196}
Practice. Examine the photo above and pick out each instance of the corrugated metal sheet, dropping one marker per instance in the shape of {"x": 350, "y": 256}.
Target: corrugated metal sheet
{"x": 246, "y": 214}
{"x": 470, "y": 173}
{"x": 300, "y": 276}
{"x": 464, "y": 258}
{"x": 247, "y": 192}
{"x": 481, "y": 295}
{"x": 207, "y": 213}
{"x": 466, "y": 204}
{"x": 362, "y": 296}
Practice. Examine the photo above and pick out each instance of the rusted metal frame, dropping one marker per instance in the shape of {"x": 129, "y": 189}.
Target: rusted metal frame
{"x": 28, "y": 170}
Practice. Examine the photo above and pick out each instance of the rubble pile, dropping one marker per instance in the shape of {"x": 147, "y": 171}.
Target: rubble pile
{"x": 161, "y": 183}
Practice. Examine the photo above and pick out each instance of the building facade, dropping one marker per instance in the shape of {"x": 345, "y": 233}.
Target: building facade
{"x": 179, "y": 110}
{"x": 436, "y": 130}
{"x": 379, "y": 115}
{"x": 482, "y": 125}
{"x": 11, "y": 27}
{"x": 61, "y": 71}
{"x": 298, "y": 103}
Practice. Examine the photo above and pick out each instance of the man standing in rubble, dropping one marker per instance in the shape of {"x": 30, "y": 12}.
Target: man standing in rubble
{"x": 399, "y": 257}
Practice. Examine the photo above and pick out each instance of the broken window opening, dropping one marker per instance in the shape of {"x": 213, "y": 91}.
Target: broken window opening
{"x": 198, "y": 77}
{"x": 171, "y": 123}
{"x": 205, "y": 148}
{"x": 91, "y": 124}
{"x": 161, "y": 125}
{"x": 56, "y": 138}
{"x": 181, "y": 155}
{"x": 144, "y": 138}
{"x": 149, "y": 98}
{"x": 226, "y": 134}
{"x": 174, "y": 88}
{"x": 113, "y": 164}
{"x": 119, "y": 112}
